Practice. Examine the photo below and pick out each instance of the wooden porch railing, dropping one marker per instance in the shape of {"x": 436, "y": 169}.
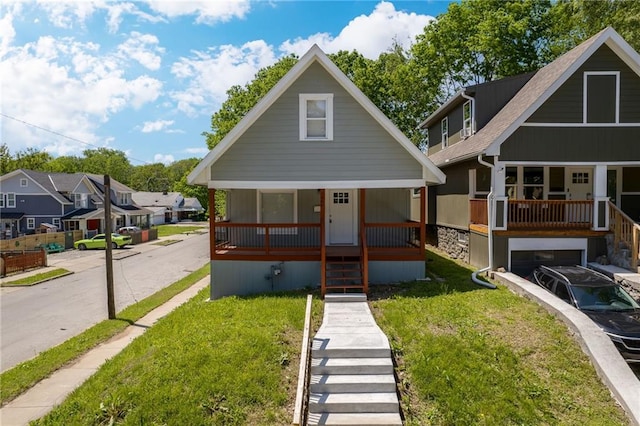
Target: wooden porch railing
{"x": 625, "y": 230}
{"x": 394, "y": 238}
{"x": 536, "y": 214}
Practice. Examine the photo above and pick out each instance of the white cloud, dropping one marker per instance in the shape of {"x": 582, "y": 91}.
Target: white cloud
{"x": 196, "y": 150}
{"x": 206, "y": 11}
{"x": 229, "y": 64}
{"x": 7, "y": 32}
{"x": 64, "y": 14}
{"x": 156, "y": 126}
{"x": 144, "y": 49}
{"x": 370, "y": 35}
{"x": 165, "y": 159}
{"x": 115, "y": 12}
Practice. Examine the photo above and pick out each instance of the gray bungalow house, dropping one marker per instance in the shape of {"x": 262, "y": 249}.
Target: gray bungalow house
{"x": 67, "y": 201}
{"x": 168, "y": 207}
{"x": 319, "y": 186}
{"x": 542, "y": 168}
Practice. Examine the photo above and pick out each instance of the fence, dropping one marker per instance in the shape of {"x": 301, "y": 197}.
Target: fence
{"x": 18, "y": 261}
{"x": 30, "y": 242}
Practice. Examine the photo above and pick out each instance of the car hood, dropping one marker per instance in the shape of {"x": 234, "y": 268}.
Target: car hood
{"x": 625, "y": 323}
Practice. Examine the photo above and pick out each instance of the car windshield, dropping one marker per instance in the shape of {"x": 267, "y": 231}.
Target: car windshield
{"x": 603, "y": 298}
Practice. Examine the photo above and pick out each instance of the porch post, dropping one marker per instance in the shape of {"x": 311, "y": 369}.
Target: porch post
{"x": 423, "y": 220}
{"x": 363, "y": 240}
{"x": 323, "y": 248}
{"x": 600, "y": 199}
{"x": 212, "y": 223}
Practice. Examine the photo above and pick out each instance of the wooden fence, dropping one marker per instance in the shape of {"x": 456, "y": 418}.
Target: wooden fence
{"x": 30, "y": 242}
{"x": 18, "y": 261}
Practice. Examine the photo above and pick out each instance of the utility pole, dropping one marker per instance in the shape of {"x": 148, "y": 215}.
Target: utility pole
{"x": 111, "y": 304}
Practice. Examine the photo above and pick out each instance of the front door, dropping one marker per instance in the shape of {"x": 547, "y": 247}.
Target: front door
{"x": 341, "y": 217}
{"x": 579, "y": 187}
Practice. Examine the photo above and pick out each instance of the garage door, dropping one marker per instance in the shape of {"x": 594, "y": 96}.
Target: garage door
{"x": 523, "y": 262}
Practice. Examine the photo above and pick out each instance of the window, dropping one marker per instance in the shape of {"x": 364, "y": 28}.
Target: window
{"x": 278, "y": 206}
{"x": 579, "y": 177}
{"x": 23, "y": 183}
{"x": 316, "y": 117}
{"x": 72, "y": 225}
{"x": 31, "y": 223}
{"x": 9, "y": 201}
{"x": 444, "y": 128}
{"x": 124, "y": 198}
{"x": 601, "y": 92}
{"x": 467, "y": 119}
{"x": 463, "y": 237}
{"x": 56, "y": 222}
{"x": 483, "y": 181}
{"x": 340, "y": 198}
{"x": 533, "y": 183}
{"x": 511, "y": 182}
{"x": 81, "y": 201}
{"x": 2, "y": 200}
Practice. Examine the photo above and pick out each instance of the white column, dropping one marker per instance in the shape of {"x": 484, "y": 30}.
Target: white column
{"x": 600, "y": 197}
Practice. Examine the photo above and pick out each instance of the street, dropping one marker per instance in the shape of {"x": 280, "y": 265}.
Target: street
{"x": 36, "y": 318}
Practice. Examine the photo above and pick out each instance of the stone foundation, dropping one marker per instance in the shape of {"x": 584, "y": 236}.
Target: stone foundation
{"x": 448, "y": 242}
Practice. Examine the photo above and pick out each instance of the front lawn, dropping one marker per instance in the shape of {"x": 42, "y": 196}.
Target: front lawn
{"x": 37, "y": 278}
{"x": 168, "y": 230}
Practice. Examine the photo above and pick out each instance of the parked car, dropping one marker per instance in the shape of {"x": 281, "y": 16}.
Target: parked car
{"x": 129, "y": 230}
{"x": 601, "y": 299}
{"x": 100, "y": 241}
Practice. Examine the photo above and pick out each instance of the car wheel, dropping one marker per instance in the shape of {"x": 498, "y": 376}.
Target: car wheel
{"x": 114, "y": 245}
{"x": 82, "y": 247}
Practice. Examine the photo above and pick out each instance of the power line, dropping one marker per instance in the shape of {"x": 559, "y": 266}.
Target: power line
{"x": 62, "y": 135}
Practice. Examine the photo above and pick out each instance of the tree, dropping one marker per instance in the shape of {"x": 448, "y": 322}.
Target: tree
{"x": 105, "y": 161}
{"x": 31, "y": 159}
{"x": 65, "y": 164}
{"x": 197, "y": 191}
{"x": 150, "y": 177}
{"x": 6, "y": 160}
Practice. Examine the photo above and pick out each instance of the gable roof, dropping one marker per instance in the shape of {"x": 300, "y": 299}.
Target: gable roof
{"x": 200, "y": 175}
{"x": 44, "y": 181}
{"x": 537, "y": 90}
{"x": 156, "y": 199}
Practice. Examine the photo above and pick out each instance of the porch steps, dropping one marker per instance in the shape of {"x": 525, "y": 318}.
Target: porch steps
{"x": 352, "y": 379}
{"x": 344, "y": 273}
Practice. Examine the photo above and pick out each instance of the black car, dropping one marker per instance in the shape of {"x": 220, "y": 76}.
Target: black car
{"x": 601, "y": 299}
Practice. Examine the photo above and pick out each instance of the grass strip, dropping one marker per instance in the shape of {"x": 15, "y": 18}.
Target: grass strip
{"x": 24, "y": 375}
{"x": 232, "y": 361}
{"x": 37, "y": 278}
{"x": 168, "y": 230}
{"x": 165, "y": 242}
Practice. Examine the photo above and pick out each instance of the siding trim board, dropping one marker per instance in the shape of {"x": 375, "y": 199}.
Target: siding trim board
{"x": 580, "y": 125}
{"x": 329, "y": 184}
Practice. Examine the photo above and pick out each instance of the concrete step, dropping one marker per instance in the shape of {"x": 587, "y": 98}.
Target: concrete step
{"x": 351, "y": 353}
{"x": 377, "y": 402}
{"x": 351, "y": 366}
{"x": 349, "y": 297}
{"x": 341, "y": 383}
{"x": 353, "y": 419}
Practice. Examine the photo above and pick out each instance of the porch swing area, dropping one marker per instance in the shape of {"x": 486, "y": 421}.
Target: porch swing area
{"x": 344, "y": 264}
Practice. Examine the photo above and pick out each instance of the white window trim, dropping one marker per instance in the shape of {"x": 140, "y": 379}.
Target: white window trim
{"x": 467, "y": 124}
{"x": 280, "y": 231}
{"x": 444, "y": 134}
{"x": 7, "y": 203}
{"x": 584, "y": 94}
{"x": 56, "y": 222}
{"x": 24, "y": 183}
{"x": 31, "y": 223}
{"x": 328, "y": 98}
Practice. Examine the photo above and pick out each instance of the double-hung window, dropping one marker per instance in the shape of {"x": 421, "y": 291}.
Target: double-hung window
{"x": 81, "y": 201}
{"x": 8, "y": 200}
{"x": 467, "y": 119}
{"x": 278, "y": 206}
{"x": 31, "y": 223}
{"x": 444, "y": 129}
{"x": 316, "y": 116}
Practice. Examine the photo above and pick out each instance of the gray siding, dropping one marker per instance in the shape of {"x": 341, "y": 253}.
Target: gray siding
{"x": 388, "y": 205}
{"x": 452, "y": 199}
{"x": 491, "y": 97}
{"x": 13, "y": 185}
{"x": 572, "y": 144}
{"x": 32, "y": 205}
{"x": 271, "y": 149}
{"x": 478, "y": 249}
{"x": 242, "y": 206}
{"x": 565, "y": 105}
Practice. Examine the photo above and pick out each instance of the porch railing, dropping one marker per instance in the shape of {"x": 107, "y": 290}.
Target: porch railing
{"x": 536, "y": 214}
{"x": 267, "y": 238}
{"x": 626, "y": 231}
{"x": 389, "y": 237}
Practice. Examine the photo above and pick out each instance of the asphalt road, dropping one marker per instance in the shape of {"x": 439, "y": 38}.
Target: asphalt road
{"x": 37, "y": 318}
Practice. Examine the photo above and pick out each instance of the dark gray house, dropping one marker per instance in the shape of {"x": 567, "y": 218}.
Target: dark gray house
{"x": 319, "y": 187}
{"x": 542, "y": 167}
{"x": 67, "y": 201}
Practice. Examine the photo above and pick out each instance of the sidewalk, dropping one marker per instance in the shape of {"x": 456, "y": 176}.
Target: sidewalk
{"x": 44, "y": 396}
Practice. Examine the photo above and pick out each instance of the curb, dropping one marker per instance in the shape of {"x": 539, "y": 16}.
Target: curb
{"x": 9, "y": 285}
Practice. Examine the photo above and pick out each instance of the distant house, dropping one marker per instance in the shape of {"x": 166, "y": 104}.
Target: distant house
{"x": 168, "y": 207}
{"x": 29, "y": 199}
{"x": 557, "y": 154}
{"x": 319, "y": 185}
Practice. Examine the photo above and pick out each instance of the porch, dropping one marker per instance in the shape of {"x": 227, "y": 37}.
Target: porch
{"x": 344, "y": 267}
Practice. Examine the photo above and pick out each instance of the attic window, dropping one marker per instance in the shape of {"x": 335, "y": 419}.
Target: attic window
{"x": 444, "y": 129}
{"x": 316, "y": 117}
{"x": 601, "y": 92}
{"x": 23, "y": 183}
{"x": 467, "y": 120}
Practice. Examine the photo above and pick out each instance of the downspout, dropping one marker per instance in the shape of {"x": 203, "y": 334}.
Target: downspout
{"x": 474, "y": 276}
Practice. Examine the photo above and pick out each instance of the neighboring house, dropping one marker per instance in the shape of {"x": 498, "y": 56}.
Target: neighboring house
{"x": 556, "y": 152}
{"x": 168, "y": 207}
{"x": 318, "y": 186}
{"x": 69, "y": 202}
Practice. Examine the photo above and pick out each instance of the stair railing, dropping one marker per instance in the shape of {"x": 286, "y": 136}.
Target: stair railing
{"x": 625, "y": 230}
{"x": 364, "y": 258}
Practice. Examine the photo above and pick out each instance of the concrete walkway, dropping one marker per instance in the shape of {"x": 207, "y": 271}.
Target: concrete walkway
{"x": 352, "y": 380}
{"x": 44, "y": 396}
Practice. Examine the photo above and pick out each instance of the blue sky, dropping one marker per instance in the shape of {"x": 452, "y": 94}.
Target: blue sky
{"x": 145, "y": 77}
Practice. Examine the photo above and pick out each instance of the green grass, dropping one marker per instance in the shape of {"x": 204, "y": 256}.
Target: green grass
{"x": 24, "y": 375}
{"x": 37, "y": 278}
{"x": 232, "y": 361}
{"x": 168, "y": 230}
{"x": 468, "y": 355}
{"x": 165, "y": 242}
